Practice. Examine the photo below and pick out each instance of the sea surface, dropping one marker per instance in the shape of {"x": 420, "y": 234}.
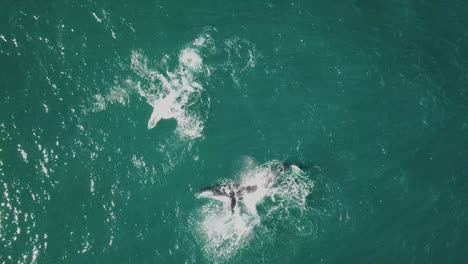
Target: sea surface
{"x": 114, "y": 114}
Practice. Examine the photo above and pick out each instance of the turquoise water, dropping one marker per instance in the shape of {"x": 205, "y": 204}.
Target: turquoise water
{"x": 371, "y": 96}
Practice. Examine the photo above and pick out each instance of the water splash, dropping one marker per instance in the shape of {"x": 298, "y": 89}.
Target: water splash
{"x": 177, "y": 93}
{"x": 223, "y": 233}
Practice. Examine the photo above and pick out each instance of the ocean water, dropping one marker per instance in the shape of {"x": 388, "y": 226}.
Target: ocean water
{"x": 114, "y": 114}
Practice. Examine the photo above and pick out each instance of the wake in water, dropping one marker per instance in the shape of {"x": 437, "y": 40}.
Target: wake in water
{"x": 225, "y": 228}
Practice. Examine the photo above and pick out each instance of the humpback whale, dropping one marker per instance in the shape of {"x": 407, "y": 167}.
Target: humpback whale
{"x": 234, "y": 192}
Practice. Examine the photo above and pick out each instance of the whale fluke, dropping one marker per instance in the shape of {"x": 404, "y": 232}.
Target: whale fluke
{"x": 233, "y": 192}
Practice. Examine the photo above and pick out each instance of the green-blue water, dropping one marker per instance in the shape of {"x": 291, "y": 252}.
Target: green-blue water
{"x": 371, "y": 95}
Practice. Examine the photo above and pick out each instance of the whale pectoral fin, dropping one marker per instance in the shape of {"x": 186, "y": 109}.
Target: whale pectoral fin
{"x": 154, "y": 119}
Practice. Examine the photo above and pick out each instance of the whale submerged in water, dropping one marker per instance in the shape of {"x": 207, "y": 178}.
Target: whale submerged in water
{"x": 234, "y": 192}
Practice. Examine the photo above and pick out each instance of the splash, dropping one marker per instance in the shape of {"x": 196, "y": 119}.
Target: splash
{"x": 223, "y": 233}
{"x": 117, "y": 95}
{"x": 174, "y": 86}
{"x": 190, "y": 58}
{"x": 177, "y": 93}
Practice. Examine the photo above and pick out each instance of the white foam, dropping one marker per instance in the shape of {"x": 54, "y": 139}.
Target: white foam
{"x": 223, "y": 232}
{"x": 23, "y": 153}
{"x": 35, "y": 254}
{"x": 190, "y": 58}
{"x": 92, "y": 188}
{"x": 116, "y": 95}
{"x": 174, "y": 87}
{"x": 174, "y": 94}
{"x": 96, "y": 17}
